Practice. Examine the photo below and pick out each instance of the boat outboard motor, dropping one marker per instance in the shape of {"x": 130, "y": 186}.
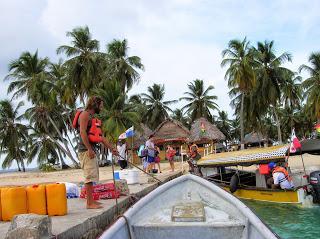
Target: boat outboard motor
{"x": 315, "y": 183}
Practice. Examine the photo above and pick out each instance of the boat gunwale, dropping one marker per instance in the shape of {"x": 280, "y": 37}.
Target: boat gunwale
{"x": 247, "y": 212}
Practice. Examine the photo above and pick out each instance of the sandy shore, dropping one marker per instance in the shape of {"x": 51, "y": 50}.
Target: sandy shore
{"x": 312, "y": 163}
{"x": 69, "y": 175}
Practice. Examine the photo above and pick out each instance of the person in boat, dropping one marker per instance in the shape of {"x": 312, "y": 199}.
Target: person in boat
{"x": 151, "y": 153}
{"x": 194, "y": 156}
{"x": 122, "y": 158}
{"x": 90, "y": 138}
{"x": 280, "y": 177}
{"x": 170, "y": 153}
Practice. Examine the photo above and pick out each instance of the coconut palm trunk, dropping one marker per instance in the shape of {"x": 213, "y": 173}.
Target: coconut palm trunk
{"x": 63, "y": 163}
{"x": 21, "y": 161}
{"x": 241, "y": 122}
{"x": 23, "y": 166}
{"x": 67, "y": 150}
{"x": 19, "y": 169}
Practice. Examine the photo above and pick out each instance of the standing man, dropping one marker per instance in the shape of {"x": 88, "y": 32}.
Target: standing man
{"x": 122, "y": 149}
{"x": 90, "y": 138}
{"x": 151, "y": 153}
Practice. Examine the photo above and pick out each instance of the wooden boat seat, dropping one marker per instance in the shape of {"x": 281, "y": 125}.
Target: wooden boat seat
{"x": 190, "y": 230}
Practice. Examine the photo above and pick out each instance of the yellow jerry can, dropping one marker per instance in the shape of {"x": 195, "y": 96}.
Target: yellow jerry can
{"x": 36, "y": 195}
{"x": 0, "y": 207}
{"x": 13, "y": 202}
{"x": 56, "y": 199}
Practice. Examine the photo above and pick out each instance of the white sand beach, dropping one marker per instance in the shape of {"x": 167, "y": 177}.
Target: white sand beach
{"x": 312, "y": 163}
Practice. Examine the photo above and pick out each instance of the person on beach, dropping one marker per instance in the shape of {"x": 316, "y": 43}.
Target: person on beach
{"x": 122, "y": 150}
{"x": 151, "y": 153}
{"x": 86, "y": 148}
{"x": 170, "y": 153}
{"x": 194, "y": 156}
{"x": 157, "y": 158}
{"x": 280, "y": 177}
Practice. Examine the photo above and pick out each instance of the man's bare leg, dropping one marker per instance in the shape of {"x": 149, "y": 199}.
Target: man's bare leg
{"x": 91, "y": 204}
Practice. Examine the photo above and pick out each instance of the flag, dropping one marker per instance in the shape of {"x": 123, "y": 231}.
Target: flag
{"x": 130, "y": 132}
{"x": 202, "y": 129}
{"x": 295, "y": 143}
{"x": 123, "y": 136}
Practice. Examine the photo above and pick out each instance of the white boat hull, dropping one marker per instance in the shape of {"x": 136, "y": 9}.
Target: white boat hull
{"x": 225, "y": 216}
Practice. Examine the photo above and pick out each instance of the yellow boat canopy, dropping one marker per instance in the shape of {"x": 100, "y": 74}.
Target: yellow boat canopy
{"x": 245, "y": 157}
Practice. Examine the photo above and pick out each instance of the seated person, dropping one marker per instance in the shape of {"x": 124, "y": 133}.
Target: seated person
{"x": 194, "y": 156}
{"x": 280, "y": 177}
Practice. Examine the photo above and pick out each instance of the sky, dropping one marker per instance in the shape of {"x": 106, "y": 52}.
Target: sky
{"x": 178, "y": 41}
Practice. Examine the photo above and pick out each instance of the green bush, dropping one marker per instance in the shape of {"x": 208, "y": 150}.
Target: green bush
{"x": 47, "y": 167}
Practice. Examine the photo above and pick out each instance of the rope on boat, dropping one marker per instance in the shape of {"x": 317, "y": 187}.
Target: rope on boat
{"x": 127, "y": 224}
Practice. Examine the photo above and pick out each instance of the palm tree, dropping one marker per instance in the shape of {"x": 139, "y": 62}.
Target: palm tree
{"x": 123, "y": 67}
{"x": 136, "y": 104}
{"x": 49, "y": 125}
{"x": 312, "y": 85}
{"x": 157, "y": 108}
{"x": 116, "y": 113}
{"x": 291, "y": 96}
{"x": 179, "y": 115}
{"x": 83, "y": 66}
{"x": 27, "y": 73}
{"x": 200, "y": 100}
{"x": 240, "y": 73}
{"x": 271, "y": 76}
{"x": 224, "y": 124}
{"x": 13, "y": 134}
{"x": 291, "y": 91}
{"x": 43, "y": 148}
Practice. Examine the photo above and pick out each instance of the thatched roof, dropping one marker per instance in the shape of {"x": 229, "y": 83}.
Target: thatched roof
{"x": 141, "y": 135}
{"x": 254, "y": 137}
{"x": 171, "y": 131}
{"x": 203, "y": 131}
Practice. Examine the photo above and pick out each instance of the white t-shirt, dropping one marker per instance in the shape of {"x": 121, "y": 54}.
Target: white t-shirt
{"x": 149, "y": 144}
{"x": 284, "y": 183}
{"x": 122, "y": 151}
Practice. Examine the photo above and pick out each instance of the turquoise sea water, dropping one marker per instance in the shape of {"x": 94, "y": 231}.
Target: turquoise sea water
{"x": 289, "y": 221}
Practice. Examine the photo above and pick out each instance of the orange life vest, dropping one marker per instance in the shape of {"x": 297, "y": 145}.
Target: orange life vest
{"x": 94, "y": 132}
{"x": 284, "y": 171}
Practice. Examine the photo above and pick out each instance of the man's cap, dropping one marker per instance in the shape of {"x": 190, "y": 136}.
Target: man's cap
{"x": 271, "y": 165}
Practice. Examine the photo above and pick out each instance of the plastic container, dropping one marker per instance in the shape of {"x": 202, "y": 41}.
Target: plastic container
{"x": 36, "y": 195}
{"x": 0, "y": 206}
{"x": 116, "y": 175}
{"x": 56, "y": 199}
{"x": 132, "y": 176}
{"x": 13, "y": 202}
{"x": 264, "y": 169}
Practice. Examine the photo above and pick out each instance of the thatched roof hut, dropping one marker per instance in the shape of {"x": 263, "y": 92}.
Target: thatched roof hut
{"x": 141, "y": 135}
{"x": 254, "y": 138}
{"x": 202, "y": 131}
{"x": 171, "y": 131}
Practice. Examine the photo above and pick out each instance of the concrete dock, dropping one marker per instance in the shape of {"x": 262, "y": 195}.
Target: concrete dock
{"x": 83, "y": 223}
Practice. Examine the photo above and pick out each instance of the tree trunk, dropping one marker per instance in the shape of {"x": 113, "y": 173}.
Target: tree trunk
{"x": 65, "y": 151}
{"x": 241, "y": 122}
{"x": 23, "y": 166}
{"x": 19, "y": 169}
{"x": 63, "y": 141}
{"x": 21, "y": 161}
{"x": 278, "y": 126}
{"x": 63, "y": 163}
